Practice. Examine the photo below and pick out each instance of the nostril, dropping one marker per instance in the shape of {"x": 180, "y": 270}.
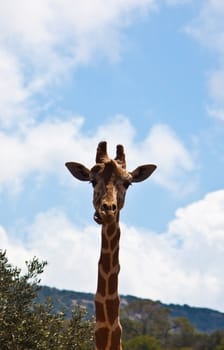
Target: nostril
{"x": 105, "y": 207}
{"x": 108, "y": 207}
{"x": 114, "y": 207}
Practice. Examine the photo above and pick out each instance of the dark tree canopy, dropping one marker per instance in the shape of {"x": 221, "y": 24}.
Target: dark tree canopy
{"x": 25, "y": 325}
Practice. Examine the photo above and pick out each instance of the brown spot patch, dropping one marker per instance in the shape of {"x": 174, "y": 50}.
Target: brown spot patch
{"x": 116, "y": 339}
{"x": 101, "y": 285}
{"x": 112, "y": 307}
{"x": 116, "y": 257}
{"x": 100, "y": 316}
{"x": 104, "y": 242}
{"x": 101, "y": 337}
{"x": 105, "y": 262}
{"x": 113, "y": 282}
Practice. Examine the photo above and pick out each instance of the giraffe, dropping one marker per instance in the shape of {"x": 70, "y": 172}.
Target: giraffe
{"x": 110, "y": 180}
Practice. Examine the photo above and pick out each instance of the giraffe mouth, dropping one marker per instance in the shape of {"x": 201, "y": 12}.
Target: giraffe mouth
{"x": 97, "y": 218}
{"x": 103, "y": 218}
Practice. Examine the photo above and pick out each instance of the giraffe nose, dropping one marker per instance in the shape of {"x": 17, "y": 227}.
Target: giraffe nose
{"x": 109, "y": 207}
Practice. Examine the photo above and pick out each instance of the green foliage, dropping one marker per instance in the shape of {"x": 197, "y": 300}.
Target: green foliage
{"x": 203, "y": 319}
{"x": 25, "y": 325}
{"x": 63, "y": 300}
{"x": 214, "y": 341}
{"x": 150, "y": 317}
{"x": 131, "y": 328}
{"x": 221, "y": 345}
{"x": 142, "y": 342}
{"x": 182, "y": 334}
{"x": 79, "y": 332}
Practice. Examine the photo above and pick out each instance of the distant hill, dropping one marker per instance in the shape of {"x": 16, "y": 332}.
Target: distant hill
{"x": 203, "y": 319}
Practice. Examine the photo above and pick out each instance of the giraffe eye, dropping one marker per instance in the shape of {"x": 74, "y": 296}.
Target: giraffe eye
{"x": 126, "y": 184}
{"x": 93, "y": 182}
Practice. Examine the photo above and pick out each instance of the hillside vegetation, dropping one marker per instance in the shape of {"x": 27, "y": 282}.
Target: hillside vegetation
{"x": 40, "y": 318}
{"x": 203, "y": 319}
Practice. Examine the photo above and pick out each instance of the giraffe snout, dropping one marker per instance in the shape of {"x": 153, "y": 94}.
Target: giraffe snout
{"x": 106, "y": 207}
{"x": 107, "y": 211}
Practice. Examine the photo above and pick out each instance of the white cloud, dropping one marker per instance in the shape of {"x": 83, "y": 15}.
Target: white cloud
{"x": 44, "y": 148}
{"x": 177, "y": 265}
{"x": 13, "y": 93}
{"x": 67, "y": 249}
{"x": 41, "y": 43}
{"x": 174, "y": 161}
{"x": 39, "y": 149}
{"x": 16, "y": 251}
{"x": 174, "y": 266}
{"x": 208, "y": 29}
{"x": 46, "y": 26}
{"x": 208, "y": 26}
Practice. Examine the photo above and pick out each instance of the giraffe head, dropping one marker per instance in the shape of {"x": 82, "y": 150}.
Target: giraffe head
{"x": 110, "y": 181}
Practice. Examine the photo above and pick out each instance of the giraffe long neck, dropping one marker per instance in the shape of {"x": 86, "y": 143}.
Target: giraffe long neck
{"x": 107, "y": 302}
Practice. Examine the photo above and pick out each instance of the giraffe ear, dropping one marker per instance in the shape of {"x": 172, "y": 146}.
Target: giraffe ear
{"x": 78, "y": 170}
{"x": 142, "y": 172}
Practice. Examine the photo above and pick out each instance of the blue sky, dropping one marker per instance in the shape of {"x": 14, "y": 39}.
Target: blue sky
{"x": 145, "y": 73}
